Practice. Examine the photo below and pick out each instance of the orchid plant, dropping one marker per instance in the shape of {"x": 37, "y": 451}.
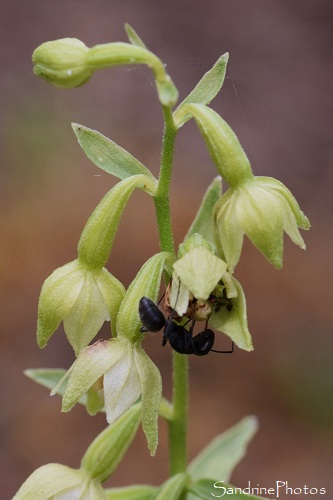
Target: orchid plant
{"x": 115, "y": 375}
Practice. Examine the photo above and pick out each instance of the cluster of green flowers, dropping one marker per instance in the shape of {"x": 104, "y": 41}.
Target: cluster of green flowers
{"x": 113, "y": 374}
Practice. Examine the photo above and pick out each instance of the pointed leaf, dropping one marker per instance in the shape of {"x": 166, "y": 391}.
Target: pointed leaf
{"x": 172, "y": 488}
{"x": 133, "y": 36}
{"x": 221, "y": 456}
{"x": 203, "y": 222}
{"x": 205, "y": 91}
{"x": 107, "y": 155}
{"x": 47, "y": 377}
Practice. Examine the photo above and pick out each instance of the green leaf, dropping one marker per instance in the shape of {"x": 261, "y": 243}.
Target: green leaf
{"x": 135, "y": 492}
{"x": 206, "y": 490}
{"x": 49, "y": 378}
{"x": 221, "y": 456}
{"x": 107, "y": 155}
{"x": 133, "y": 36}
{"x": 172, "y": 488}
{"x": 203, "y": 222}
{"x": 205, "y": 91}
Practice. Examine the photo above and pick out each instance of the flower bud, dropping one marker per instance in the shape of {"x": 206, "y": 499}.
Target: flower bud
{"x": 62, "y": 62}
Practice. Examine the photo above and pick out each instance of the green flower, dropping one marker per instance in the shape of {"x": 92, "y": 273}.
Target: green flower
{"x": 81, "y": 297}
{"x": 68, "y": 62}
{"x": 59, "y": 482}
{"x": 202, "y": 289}
{"x": 118, "y": 372}
{"x": 262, "y": 208}
{"x": 83, "y": 293}
{"x": 115, "y": 373}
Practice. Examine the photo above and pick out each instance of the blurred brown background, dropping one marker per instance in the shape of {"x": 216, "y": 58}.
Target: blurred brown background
{"x": 277, "y": 97}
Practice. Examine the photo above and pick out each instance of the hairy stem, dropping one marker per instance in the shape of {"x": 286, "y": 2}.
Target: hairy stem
{"x": 178, "y": 423}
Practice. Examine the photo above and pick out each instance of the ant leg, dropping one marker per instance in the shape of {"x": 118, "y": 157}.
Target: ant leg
{"x": 226, "y": 352}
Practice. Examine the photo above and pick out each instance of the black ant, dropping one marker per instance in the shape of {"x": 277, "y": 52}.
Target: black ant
{"x": 180, "y": 339}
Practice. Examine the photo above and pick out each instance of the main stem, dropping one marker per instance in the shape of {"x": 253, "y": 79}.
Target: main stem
{"x": 178, "y": 423}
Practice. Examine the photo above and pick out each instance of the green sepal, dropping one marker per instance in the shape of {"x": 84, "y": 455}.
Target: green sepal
{"x": 222, "y": 143}
{"x": 205, "y": 91}
{"x": 146, "y": 283}
{"x": 97, "y": 236}
{"x": 133, "y": 37}
{"x": 134, "y": 492}
{"x": 234, "y": 323}
{"x": 117, "y": 54}
{"x": 80, "y": 296}
{"x": 108, "y": 449}
{"x": 203, "y": 222}
{"x": 49, "y": 378}
{"x": 219, "y": 458}
{"x": 92, "y": 363}
{"x": 107, "y": 155}
{"x": 151, "y": 395}
{"x": 262, "y": 208}
{"x": 56, "y": 479}
{"x": 205, "y": 490}
{"x": 173, "y": 488}
{"x": 58, "y": 295}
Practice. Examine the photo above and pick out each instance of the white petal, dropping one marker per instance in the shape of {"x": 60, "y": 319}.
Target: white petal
{"x": 179, "y": 296}
{"x": 121, "y": 385}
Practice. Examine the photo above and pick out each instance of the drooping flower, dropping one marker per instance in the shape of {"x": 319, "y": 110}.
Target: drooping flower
{"x": 262, "y": 208}
{"x": 119, "y": 373}
{"x": 81, "y": 297}
{"x": 59, "y": 482}
{"x": 202, "y": 289}
{"x": 115, "y": 373}
{"x": 68, "y": 63}
{"x": 83, "y": 293}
